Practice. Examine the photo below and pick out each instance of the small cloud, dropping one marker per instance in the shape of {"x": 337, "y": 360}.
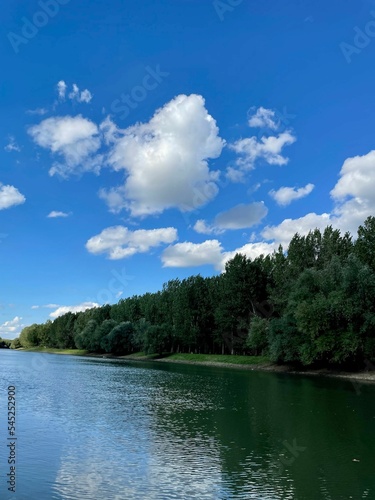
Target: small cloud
{"x": 202, "y": 227}
{"x": 10, "y": 197}
{"x": 46, "y": 306}
{"x": 74, "y": 139}
{"x": 54, "y": 214}
{"x": 73, "y": 309}
{"x": 12, "y": 328}
{"x": 189, "y": 254}
{"x": 61, "y": 89}
{"x": 37, "y": 111}
{"x": 254, "y": 188}
{"x": 12, "y": 145}
{"x": 76, "y": 94}
{"x": 234, "y": 175}
{"x": 119, "y": 242}
{"x": 264, "y": 118}
{"x": 285, "y": 195}
{"x": 85, "y": 96}
{"x": 269, "y": 149}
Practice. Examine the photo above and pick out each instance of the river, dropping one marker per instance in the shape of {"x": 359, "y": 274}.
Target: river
{"x": 108, "y": 429}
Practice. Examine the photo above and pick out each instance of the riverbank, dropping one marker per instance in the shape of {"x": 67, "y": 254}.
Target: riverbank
{"x": 49, "y": 350}
{"x": 258, "y": 363}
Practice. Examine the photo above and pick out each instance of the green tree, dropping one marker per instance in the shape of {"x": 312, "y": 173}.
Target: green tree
{"x": 16, "y": 344}
{"x": 119, "y": 340}
{"x": 365, "y": 245}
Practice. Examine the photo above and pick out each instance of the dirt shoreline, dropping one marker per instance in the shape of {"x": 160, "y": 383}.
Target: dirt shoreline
{"x": 362, "y": 377}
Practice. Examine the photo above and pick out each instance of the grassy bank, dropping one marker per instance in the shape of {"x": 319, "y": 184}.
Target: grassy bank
{"x": 219, "y": 358}
{"x": 71, "y": 352}
{"x": 261, "y": 363}
{"x": 198, "y": 358}
{"x": 180, "y": 357}
{"x": 245, "y": 362}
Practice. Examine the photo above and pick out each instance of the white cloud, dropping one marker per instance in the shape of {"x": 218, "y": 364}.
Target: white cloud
{"x": 268, "y": 149}
{"x": 210, "y": 252}
{"x": 12, "y": 145}
{"x": 119, "y": 242}
{"x": 11, "y": 329}
{"x": 10, "y": 197}
{"x": 110, "y": 131}
{"x": 47, "y": 306}
{"x": 74, "y": 94}
{"x": 285, "y": 195}
{"x": 250, "y": 250}
{"x": 354, "y": 193}
{"x": 202, "y": 227}
{"x": 166, "y": 159}
{"x": 85, "y": 96}
{"x": 357, "y": 178}
{"x": 189, "y": 254}
{"x": 77, "y": 95}
{"x": 61, "y": 89}
{"x": 73, "y": 309}
{"x": 353, "y": 197}
{"x": 55, "y": 214}
{"x": 351, "y": 214}
{"x": 285, "y": 231}
{"x": 235, "y": 175}
{"x": 75, "y": 139}
{"x": 264, "y": 118}
{"x": 37, "y": 111}
{"x": 354, "y": 200}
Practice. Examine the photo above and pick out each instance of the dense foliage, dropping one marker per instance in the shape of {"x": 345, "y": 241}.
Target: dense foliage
{"x": 314, "y": 304}
{"x": 5, "y": 343}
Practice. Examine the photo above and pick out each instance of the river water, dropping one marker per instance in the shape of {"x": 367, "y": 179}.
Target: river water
{"x": 107, "y": 429}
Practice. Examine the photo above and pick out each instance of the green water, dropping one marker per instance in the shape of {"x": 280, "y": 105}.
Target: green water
{"x": 105, "y": 429}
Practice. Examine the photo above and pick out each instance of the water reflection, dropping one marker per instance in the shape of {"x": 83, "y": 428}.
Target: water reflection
{"x": 113, "y": 430}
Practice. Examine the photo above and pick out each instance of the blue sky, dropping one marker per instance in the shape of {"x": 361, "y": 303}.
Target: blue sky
{"x": 143, "y": 141}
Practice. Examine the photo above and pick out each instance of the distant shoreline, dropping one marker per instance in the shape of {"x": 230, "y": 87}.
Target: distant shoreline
{"x": 253, "y": 363}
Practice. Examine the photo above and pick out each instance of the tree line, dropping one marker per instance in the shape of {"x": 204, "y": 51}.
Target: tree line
{"x": 5, "y": 343}
{"x": 313, "y": 303}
